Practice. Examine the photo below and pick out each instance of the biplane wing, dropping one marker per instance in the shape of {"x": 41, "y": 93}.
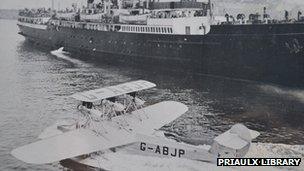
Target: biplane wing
{"x": 149, "y": 119}
{"x": 69, "y": 145}
{"x": 112, "y": 91}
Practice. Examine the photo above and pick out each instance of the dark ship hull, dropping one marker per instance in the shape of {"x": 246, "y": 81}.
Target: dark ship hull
{"x": 266, "y": 52}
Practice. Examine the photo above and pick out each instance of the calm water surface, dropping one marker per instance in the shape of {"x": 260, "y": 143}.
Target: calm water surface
{"x": 35, "y": 85}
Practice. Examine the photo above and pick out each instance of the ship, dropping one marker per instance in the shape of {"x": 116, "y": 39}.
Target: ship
{"x": 179, "y": 36}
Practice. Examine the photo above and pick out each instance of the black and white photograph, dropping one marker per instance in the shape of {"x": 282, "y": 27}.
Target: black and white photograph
{"x": 152, "y": 85}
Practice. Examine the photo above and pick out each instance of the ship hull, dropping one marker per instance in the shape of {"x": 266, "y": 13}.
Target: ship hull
{"x": 267, "y": 53}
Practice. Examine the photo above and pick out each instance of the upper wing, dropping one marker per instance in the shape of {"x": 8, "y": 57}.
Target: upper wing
{"x": 81, "y": 141}
{"x": 112, "y": 91}
{"x": 151, "y": 118}
{"x": 68, "y": 145}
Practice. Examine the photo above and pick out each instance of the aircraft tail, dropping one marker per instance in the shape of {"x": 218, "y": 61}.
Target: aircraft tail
{"x": 233, "y": 143}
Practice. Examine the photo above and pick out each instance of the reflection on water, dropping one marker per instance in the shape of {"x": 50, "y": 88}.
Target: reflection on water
{"x": 35, "y": 85}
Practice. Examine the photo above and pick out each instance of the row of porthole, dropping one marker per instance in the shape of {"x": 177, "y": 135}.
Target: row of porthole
{"x": 115, "y": 42}
{"x": 91, "y": 39}
{"x": 158, "y": 45}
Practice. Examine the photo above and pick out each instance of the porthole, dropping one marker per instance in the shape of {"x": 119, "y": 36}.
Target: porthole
{"x": 91, "y": 40}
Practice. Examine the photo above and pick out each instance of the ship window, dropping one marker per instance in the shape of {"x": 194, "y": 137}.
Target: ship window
{"x": 165, "y": 30}
{"x": 91, "y": 40}
{"x": 153, "y": 29}
{"x": 162, "y": 29}
{"x": 171, "y": 30}
{"x": 187, "y": 29}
